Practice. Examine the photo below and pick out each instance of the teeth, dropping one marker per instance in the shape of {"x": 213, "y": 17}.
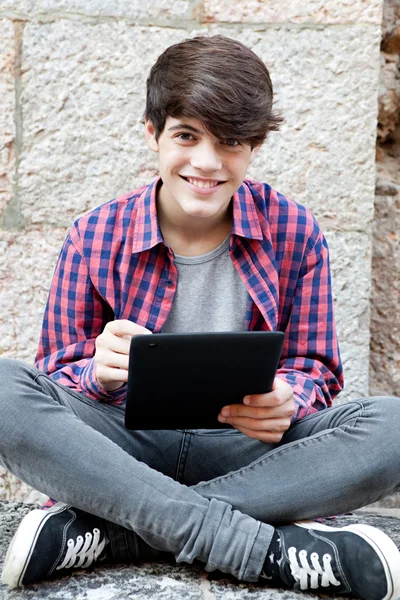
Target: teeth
{"x": 202, "y": 184}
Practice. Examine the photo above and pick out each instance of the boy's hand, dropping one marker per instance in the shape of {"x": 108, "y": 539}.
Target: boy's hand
{"x": 112, "y": 353}
{"x": 264, "y": 417}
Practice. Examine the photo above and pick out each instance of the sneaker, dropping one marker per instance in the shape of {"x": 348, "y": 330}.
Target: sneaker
{"x": 49, "y": 542}
{"x": 357, "y": 560}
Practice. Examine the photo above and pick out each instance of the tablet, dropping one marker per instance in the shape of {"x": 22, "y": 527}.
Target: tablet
{"x": 181, "y": 381}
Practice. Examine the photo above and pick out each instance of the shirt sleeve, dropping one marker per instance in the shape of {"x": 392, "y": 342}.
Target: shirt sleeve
{"x": 310, "y": 360}
{"x": 75, "y": 315}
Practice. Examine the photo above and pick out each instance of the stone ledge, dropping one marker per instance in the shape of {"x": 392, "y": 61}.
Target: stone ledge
{"x": 161, "y": 581}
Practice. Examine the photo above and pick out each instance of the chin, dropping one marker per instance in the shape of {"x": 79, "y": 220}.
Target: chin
{"x": 199, "y": 210}
{"x": 199, "y": 214}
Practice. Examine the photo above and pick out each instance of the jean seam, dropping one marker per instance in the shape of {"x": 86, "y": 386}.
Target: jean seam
{"x": 182, "y": 458}
{"x": 220, "y": 433}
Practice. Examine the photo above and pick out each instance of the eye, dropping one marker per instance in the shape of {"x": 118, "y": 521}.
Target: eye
{"x": 185, "y": 137}
{"x": 231, "y": 143}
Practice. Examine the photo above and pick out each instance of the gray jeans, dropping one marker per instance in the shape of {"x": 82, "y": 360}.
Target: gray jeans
{"x": 207, "y": 495}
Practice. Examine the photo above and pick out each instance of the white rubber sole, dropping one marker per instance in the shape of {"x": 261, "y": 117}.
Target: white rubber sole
{"x": 23, "y": 544}
{"x": 385, "y": 548}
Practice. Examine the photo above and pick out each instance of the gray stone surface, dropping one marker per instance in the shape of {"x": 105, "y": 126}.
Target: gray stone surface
{"x": 7, "y": 127}
{"x": 324, "y": 154}
{"x": 145, "y": 10}
{"x": 351, "y": 267}
{"x": 253, "y": 11}
{"x": 83, "y": 100}
{"x": 27, "y": 261}
{"x": 293, "y": 11}
{"x": 385, "y": 297}
{"x": 159, "y": 581}
{"x": 12, "y": 488}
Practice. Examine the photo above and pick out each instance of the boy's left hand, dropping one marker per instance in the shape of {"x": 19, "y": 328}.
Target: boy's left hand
{"x": 264, "y": 417}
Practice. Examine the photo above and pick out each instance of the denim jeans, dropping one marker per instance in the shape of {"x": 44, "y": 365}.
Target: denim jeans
{"x": 207, "y": 495}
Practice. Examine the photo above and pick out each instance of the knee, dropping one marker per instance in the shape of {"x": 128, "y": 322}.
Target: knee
{"x": 385, "y": 413}
{"x": 15, "y": 377}
{"x": 12, "y": 369}
{"x": 17, "y": 381}
{"x": 388, "y": 405}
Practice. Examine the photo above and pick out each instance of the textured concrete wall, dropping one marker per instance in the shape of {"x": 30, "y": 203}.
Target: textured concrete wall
{"x": 73, "y": 86}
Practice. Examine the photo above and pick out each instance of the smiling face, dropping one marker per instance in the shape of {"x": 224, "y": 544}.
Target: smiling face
{"x": 199, "y": 173}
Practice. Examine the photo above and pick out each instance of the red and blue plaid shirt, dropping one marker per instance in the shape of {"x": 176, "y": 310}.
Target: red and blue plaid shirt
{"x": 114, "y": 264}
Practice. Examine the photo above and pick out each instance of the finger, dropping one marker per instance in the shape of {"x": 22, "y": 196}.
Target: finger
{"x": 122, "y": 327}
{"x": 272, "y": 425}
{"x": 253, "y": 412}
{"x": 106, "y": 374}
{"x": 109, "y": 341}
{"x": 109, "y": 358}
{"x": 269, "y": 399}
{"x": 259, "y": 412}
{"x": 281, "y": 392}
{"x": 263, "y": 436}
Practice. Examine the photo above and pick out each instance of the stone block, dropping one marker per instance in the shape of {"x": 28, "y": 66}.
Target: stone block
{"x": 293, "y": 11}
{"x": 83, "y": 99}
{"x": 324, "y": 154}
{"x": 385, "y": 299}
{"x": 390, "y": 20}
{"x": 351, "y": 272}
{"x": 7, "y": 126}
{"x": 27, "y": 262}
{"x": 146, "y": 10}
{"x": 389, "y": 96}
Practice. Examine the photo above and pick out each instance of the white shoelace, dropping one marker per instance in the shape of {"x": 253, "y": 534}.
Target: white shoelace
{"x": 83, "y": 552}
{"x": 320, "y": 576}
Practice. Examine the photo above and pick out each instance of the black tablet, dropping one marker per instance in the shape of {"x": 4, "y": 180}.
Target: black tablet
{"x": 181, "y": 381}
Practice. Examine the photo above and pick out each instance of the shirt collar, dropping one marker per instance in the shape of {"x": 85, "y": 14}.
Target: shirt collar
{"x": 246, "y": 222}
{"x": 147, "y": 231}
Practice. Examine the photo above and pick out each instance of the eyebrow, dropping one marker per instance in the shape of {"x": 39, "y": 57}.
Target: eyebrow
{"x": 184, "y": 126}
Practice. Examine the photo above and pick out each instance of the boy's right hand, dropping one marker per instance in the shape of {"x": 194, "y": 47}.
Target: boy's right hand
{"x": 112, "y": 353}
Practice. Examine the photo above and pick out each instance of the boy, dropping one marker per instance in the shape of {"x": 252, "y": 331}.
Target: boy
{"x": 200, "y": 249}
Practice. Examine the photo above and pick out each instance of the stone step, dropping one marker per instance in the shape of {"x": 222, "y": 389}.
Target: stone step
{"x": 160, "y": 581}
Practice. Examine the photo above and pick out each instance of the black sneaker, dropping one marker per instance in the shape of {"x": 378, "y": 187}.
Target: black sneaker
{"x": 357, "y": 560}
{"x": 48, "y": 542}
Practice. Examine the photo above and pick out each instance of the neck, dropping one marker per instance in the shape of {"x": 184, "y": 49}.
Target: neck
{"x": 189, "y": 236}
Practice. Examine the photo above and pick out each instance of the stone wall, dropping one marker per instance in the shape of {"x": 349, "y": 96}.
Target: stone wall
{"x": 385, "y": 298}
{"x": 72, "y": 88}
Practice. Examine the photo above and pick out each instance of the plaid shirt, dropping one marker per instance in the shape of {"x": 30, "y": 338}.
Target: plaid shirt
{"x": 114, "y": 264}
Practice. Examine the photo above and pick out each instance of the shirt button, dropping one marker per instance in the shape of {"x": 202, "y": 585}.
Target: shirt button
{"x": 170, "y": 282}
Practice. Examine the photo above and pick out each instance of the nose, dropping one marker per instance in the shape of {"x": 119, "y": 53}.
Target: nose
{"x": 205, "y": 157}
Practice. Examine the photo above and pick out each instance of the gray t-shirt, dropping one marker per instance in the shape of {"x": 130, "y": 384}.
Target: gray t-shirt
{"x": 210, "y": 294}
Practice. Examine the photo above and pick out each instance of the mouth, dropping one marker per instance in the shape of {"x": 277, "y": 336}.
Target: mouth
{"x": 203, "y": 184}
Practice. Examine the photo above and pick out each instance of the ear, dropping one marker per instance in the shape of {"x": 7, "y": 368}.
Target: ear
{"x": 254, "y": 153}
{"x": 150, "y": 135}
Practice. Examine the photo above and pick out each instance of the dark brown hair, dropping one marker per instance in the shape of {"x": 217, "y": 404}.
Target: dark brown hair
{"x": 216, "y": 80}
